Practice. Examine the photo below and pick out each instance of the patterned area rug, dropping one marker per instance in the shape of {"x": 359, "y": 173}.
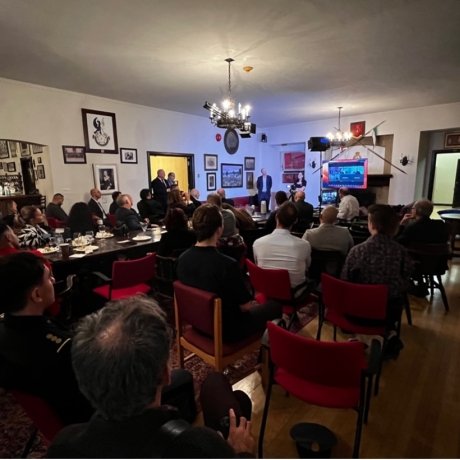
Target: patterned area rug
{"x": 16, "y": 427}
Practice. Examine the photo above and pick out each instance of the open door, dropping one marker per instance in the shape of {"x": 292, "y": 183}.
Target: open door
{"x": 181, "y": 164}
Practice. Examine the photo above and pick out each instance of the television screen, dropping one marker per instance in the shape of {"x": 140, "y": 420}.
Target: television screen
{"x": 328, "y": 197}
{"x": 345, "y": 173}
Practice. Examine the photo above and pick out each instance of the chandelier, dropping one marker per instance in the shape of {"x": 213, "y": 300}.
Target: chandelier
{"x": 231, "y": 116}
{"x": 339, "y": 138}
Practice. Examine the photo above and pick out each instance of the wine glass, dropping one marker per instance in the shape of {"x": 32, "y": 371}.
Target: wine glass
{"x": 143, "y": 226}
{"x": 89, "y": 236}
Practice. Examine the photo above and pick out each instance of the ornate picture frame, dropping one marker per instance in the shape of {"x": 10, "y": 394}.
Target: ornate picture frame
{"x": 249, "y": 180}
{"x": 105, "y": 178}
{"x": 211, "y": 181}
{"x": 100, "y": 131}
{"x": 249, "y": 163}
{"x": 210, "y": 162}
{"x": 72, "y": 154}
{"x": 41, "y": 172}
{"x": 452, "y": 140}
{"x": 231, "y": 175}
{"x": 128, "y": 155}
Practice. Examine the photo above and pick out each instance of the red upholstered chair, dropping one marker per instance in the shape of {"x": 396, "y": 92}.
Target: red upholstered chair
{"x": 55, "y": 223}
{"x": 129, "y": 277}
{"x": 327, "y": 374}
{"x": 42, "y": 415}
{"x": 199, "y": 328}
{"x": 112, "y": 220}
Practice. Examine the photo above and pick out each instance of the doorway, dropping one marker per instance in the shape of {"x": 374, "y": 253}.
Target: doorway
{"x": 182, "y": 164}
{"x": 442, "y": 176}
{"x": 28, "y": 176}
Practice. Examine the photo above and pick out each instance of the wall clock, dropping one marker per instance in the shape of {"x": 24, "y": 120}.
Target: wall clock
{"x": 231, "y": 141}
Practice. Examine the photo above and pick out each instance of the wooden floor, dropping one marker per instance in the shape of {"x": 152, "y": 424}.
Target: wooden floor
{"x": 416, "y": 414}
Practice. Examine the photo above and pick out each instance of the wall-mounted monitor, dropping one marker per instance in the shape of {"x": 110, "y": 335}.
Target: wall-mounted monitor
{"x": 329, "y": 197}
{"x": 345, "y": 173}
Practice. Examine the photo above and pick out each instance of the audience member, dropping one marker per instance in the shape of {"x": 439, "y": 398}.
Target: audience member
{"x": 178, "y": 237}
{"x": 113, "y": 205}
{"x": 280, "y": 249}
{"x": 305, "y": 212}
{"x": 9, "y": 241}
{"x": 178, "y": 199}
{"x": 95, "y": 206}
{"x": 264, "y": 188}
{"x": 195, "y": 197}
{"x": 329, "y": 237}
{"x": 126, "y": 215}
{"x": 81, "y": 219}
{"x": 54, "y": 209}
{"x": 33, "y": 234}
{"x": 160, "y": 189}
{"x": 35, "y": 350}
{"x": 204, "y": 267}
{"x": 243, "y": 220}
{"x": 280, "y": 198}
{"x": 123, "y": 378}
{"x": 149, "y": 208}
{"x": 221, "y": 193}
{"x": 348, "y": 206}
{"x": 11, "y": 216}
{"x": 229, "y": 217}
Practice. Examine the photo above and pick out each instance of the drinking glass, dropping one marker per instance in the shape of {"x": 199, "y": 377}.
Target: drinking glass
{"x": 52, "y": 242}
{"x": 143, "y": 226}
{"x": 90, "y": 237}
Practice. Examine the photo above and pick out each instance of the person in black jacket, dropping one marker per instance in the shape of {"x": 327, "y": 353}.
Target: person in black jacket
{"x": 305, "y": 210}
{"x": 126, "y": 215}
{"x": 178, "y": 237}
{"x": 149, "y": 208}
{"x": 113, "y": 205}
{"x": 160, "y": 189}
{"x": 121, "y": 359}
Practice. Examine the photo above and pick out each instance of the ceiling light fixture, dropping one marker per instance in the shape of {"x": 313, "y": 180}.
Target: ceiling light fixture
{"x": 340, "y": 138}
{"x": 231, "y": 116}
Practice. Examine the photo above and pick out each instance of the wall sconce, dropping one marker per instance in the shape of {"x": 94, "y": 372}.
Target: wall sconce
{"x": 312, "y": 164}
{"x": 405, "y": 160}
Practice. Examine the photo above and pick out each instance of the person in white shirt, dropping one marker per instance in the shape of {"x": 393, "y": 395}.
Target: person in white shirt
{"x": 349, "y": 205}
{"x": 280, "y": 249}
{"x": 329, "y": 237}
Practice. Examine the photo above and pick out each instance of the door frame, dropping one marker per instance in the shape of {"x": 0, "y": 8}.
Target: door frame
{"x": 190, "y": 165}
{"x": 434, "y": 155}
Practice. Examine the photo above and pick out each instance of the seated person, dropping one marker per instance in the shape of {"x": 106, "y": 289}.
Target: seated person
{"x": 10, "y": 214}
{"x": 149, "y": 208}
{"x": 34, "y": 234}
{"x": 349, "y": 205}
{"x": 54, "y": 208}
{"x": 113, "y": 205}
{"x": 329, "y": 237}
{"x": 243, "y": 219}
{"x": 126, "y": 215}
{"x": 195, "y": 197}
{"x": 280, "y": 198}
{"x": 81, "y": 219}
{"x": 229, "y": 217}
{"x": 178, "y": 199}
{"x": 178, "y": 236}
{"x": 204, "y": 267}
{"x": 9, "y": 241}
{"x": 305, "y": 212}
{"x": 130, "y": 419}
{"x": 35, "y": 350}
{"x": 221, "y": 193}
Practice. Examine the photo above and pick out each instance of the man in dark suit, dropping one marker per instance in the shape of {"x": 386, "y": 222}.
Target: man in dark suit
{"x": 195, "y": 197}
{"x": 229, "y": 201}
{"x": 160, "y": 189}
{"x": 264, "y": 188}
{"x": 95, "y": 206}
{"x": 305, "y": 211}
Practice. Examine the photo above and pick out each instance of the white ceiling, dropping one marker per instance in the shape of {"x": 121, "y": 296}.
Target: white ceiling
{"x": 309, "y": 56}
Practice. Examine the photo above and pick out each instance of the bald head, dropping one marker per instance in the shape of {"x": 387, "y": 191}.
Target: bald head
{"x": 95, "y": 193}
{"x": 299, "y": 196}
{"x": 221, "y": 192}
{"x": 423, "y": 208}
{"x": 329, "y": 215}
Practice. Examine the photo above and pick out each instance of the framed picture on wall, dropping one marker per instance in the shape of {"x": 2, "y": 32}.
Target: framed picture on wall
{"x": 210, "y": 162}
{"x": 4, "y": 152}
{"x": 36, "y": 148}
{"x": 41, "y": 172}
{"x": 105, "y": 178}
{"x": 231, "y": 176}
{"x": 100, "y": 131}
{"x": 358, "y": 128}
{"x": 249, "y": 163}
{"x": 128, "y": 155}
{"x": 11, "y": 167}
{"x": 13, "y": 147}
{"x": 249, "y": 180}
{"x": 452, "y": 141}
{"x": 25, "y": 151}
{"x": 211, "y": 181}
{"x": 72, "y": 154}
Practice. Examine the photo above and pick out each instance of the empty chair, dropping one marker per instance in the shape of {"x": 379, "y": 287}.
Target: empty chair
{"x": 322, "y": 261}
{"x": 55, "y": 223}
{"x": 327, "y": 374}
{"x": 199, "y": 328}
{"x": 129, "y": 277}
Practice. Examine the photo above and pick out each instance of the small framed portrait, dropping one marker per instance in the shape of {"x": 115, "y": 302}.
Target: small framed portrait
{"x": 72, "y": 154}
{"x": 210, "y": 162}
{"x": 37, "y": 148}
{"x": 249, "y": 163}
{"x": 39, "y": 160}
{"x": 128, "y": 155}
{"x": 452, "y": 140}
{"x": 249, "y": 180}
{"x": 105, "y": 178}
{"x": 13, "y": 146}
{"x": 100, "y": 131}
{"x": 211, "y": 181}
{"x": 358, "y": 128}
{"x": 41, "y": 172}
{"x": 231, "y": 175}
{"x": 25, "y": 150}
{"x": 4, "y": 152}
{"x": 11, "y": 167}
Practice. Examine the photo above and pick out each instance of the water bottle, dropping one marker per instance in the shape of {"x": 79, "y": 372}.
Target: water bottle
{"x": 263, "y": 207}
{"x": 59, "y": 235}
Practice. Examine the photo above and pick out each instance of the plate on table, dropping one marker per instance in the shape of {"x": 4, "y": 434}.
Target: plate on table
{"x": 87, "y": 249}
{"x": 142, "y": 238}
{"x": 103, "y": 235}
{"x": 48, "y": 250}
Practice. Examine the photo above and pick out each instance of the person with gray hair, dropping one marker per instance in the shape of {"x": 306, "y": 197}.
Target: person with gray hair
{"x": 121, "y": 358}
{"x": 348, "y": 206}
{"x": 328, "y": 236}
{"x": 229, "y": 217}
{"x": 125, "y": 214}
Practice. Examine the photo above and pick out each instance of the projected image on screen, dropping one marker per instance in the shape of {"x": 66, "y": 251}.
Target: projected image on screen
{"x": 345, "y": 173}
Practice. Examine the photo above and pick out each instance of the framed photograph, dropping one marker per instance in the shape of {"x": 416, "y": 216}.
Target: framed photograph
{"x": 36, "y": 148}
{"x": 39, "y": 159}
{"x": 72, "y": 154}
{"x": 100, "y": 130}
{"x": 211, "y": 181}
{"x": 293, "y": 161}
{"x": 452, "y": 141}
{"x": 249, "y": 180}
{"x": 231, "y": 175}
{"x": 249, "y": 163}
{"x": 4, "y": 152}
{"x": 13, "y": 146}
{"x": 128, "y": 155}
{"x": 105, "y": 178}
{"x": 11, "y": 167}
{"x": 210, "y": 162}
{"x": 358, "y": 128}
{"x": 25, "y": 151}
{"x": 41, "y": 172}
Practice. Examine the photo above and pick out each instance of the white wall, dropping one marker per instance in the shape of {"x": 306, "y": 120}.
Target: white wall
{"x": 405, "y": 125}
{"x": 53, "y": 117}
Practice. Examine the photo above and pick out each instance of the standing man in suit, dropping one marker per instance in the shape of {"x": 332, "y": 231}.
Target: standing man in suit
{"x": 264, "y": 187}
{"x": 160, "y": 189}
{"x": 95, "y": 206}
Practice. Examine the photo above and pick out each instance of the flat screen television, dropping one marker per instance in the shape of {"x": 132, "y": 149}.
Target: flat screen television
{"x": 328, "y": 197}
{"x": 345, "y": 173}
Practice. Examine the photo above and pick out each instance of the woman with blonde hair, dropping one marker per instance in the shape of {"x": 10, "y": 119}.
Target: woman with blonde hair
{"x": 33, "y": 234}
